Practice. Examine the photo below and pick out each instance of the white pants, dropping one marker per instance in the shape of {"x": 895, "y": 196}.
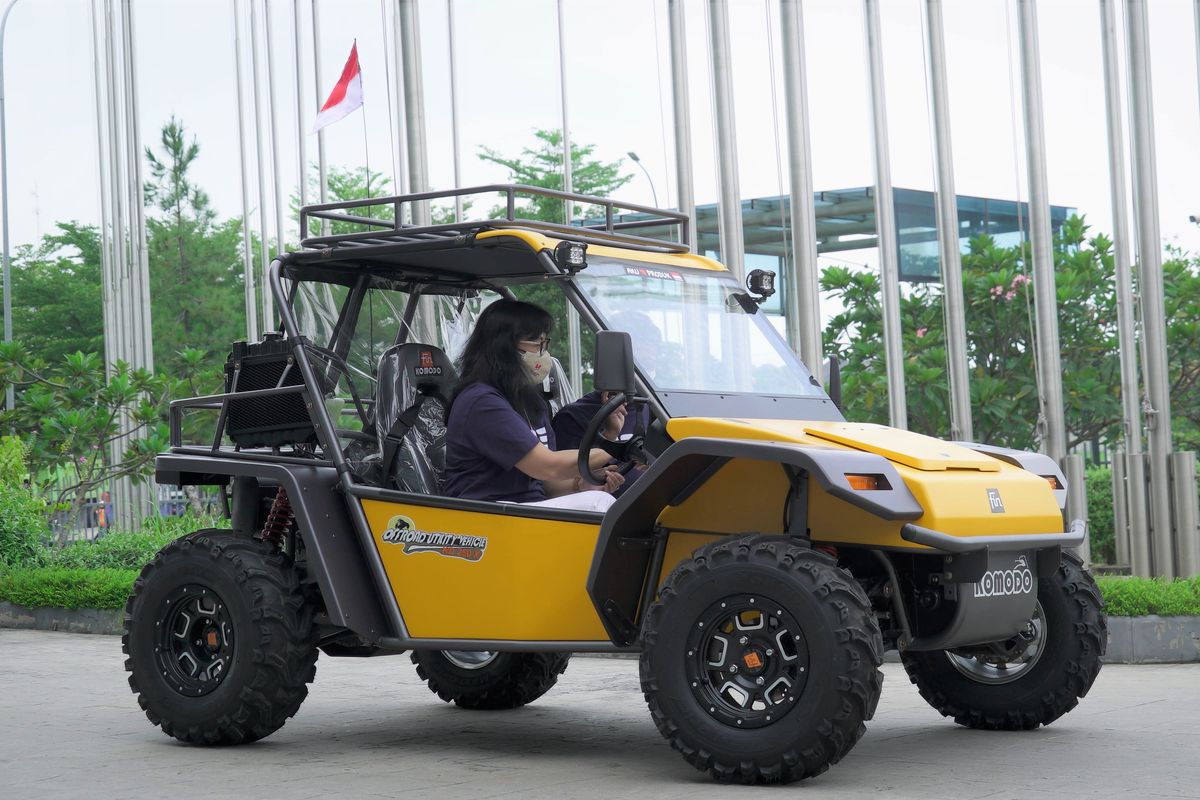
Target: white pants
{"x": 593, "y": 500}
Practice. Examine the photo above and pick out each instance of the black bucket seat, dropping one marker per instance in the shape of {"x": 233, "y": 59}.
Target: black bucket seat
{"x": 411, "y": 398}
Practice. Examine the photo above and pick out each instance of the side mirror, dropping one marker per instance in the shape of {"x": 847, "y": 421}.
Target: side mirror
{"x": 833, "y": 382}
{"x": 614, "y": 363}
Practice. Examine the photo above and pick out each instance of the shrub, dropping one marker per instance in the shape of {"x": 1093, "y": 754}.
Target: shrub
{"x": 67, "y": 588}
{"x": 1100, "y": 515}
{"x": 23, "y": 527}
{"x": 123, "y": 550}
{"x": 1136, "y": 597}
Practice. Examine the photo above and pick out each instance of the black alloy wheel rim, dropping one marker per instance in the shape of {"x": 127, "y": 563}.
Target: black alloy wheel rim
{"x": 747, "y": 661}
{"x": 194, "y": 644}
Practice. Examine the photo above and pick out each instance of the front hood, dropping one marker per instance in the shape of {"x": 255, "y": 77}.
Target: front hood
{"x": 901, "y": 447}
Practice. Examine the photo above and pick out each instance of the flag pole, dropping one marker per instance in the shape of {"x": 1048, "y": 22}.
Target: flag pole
{"x": 455, "y": 145}
{"x": 247, "y": 249}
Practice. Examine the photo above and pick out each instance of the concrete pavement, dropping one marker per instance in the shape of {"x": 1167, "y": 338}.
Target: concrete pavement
{"x": 69, "y": 727}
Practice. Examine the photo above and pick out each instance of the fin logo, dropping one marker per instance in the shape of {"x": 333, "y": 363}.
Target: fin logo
{"x": 994, "y": 501}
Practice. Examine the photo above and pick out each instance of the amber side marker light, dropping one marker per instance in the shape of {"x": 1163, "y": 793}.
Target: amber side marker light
{"x": 1053, "y": 481}
{"x": 865, "y": 483}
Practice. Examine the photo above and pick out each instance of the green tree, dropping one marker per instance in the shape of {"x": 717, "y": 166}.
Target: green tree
{"x": 1181, "y": 282}
{"x": 196, "y": 281}
{"x": 57, "y": 298}
{"x": 542, "y": 166}
{"x": 998, "y": 294}
{"x": 71, "y": 413}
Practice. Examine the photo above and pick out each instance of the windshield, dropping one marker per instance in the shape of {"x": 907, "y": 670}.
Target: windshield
{"x": 690, "y": 333}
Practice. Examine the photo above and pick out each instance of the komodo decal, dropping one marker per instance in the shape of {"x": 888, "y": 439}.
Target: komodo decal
{"x": 402, "y": 530}
{"x": 1002, "y": 582}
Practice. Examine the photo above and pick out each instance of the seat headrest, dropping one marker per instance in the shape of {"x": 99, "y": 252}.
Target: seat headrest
{"x": 422, "y": 366}
{"x": 406, "y": 370}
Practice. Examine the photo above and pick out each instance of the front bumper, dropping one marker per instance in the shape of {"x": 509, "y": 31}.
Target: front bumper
{"x": 994, "y": 580}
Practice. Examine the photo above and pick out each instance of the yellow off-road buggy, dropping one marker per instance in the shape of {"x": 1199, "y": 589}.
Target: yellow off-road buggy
{"x": 765, "y": 558}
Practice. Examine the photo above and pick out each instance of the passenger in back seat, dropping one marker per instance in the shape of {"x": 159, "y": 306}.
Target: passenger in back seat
{"x": 499, "y": 441}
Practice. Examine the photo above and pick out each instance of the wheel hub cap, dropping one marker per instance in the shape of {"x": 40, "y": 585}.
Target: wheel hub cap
{"x": 194, "y": 645}
{"x": 747, "y": 661}
{"x": 1004, "y": 662}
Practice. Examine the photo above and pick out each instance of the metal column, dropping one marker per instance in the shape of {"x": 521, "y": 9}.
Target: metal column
{"x": 455, "y": 146}
{"x": 414, "y": 107}
{"x": 276, "y": 164}
{"x": 1137, "y": 547}
{"x": 1187, "y": 528}
{"x": 301, "y": 132}
{"x": 803, "y": 296}
{"x": 575, "y": 368}
{"x": 1150, "y": 274}
{"x": 264, "y": 247}
{"x": 947, "y": 229}
{"x": 685, "y": 189}
{"x": 7, "y": 265}
{"x": 247, "y": 242}
{"x": 885, "y": 223}
{"x": 322, "y": 173}
{"x": 731, "y": 235}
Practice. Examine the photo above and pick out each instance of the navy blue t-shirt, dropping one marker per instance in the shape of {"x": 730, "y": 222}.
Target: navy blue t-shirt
{"x": 485, "y": 438}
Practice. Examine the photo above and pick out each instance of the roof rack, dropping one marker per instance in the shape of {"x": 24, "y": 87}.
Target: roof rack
{"x": 392, "y": 231}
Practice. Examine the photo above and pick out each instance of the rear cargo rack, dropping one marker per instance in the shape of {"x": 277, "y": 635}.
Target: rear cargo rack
{"x": 659, "y": 230}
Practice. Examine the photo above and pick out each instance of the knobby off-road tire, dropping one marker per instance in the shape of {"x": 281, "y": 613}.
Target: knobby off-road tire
{"x": 778, "y": 611}
{"x": 219, "y": 639}
{"x": 491, "y": 681}
{"x": 1073, "y": 636}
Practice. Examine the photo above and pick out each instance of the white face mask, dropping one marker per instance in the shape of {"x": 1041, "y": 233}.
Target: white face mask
{"x": 537, "y": 365}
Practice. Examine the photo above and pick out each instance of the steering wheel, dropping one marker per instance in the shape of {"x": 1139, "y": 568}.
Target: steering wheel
{"x": 627, "y": 453}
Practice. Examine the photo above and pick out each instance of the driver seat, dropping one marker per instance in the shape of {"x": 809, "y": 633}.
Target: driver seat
{"x": 413, "y": 392}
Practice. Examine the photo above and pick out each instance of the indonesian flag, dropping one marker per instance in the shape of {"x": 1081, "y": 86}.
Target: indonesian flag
{"x": 346, "y": 96}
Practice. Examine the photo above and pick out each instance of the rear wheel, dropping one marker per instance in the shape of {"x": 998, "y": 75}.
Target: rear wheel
{"x": 1032, "y": 678}
{"x": 489, "y": 680}
{"x": 219, "y": 639}
{"x": 760, "y": 660}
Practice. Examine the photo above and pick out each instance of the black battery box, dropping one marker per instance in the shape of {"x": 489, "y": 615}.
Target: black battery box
{"x": 274, "y": 420}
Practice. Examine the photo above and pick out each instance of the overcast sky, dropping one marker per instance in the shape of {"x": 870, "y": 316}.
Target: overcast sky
{"x": 619, "y": 96}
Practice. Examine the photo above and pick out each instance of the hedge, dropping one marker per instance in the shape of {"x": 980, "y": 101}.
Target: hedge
{"x": 1137, "y": 597}
{"x": 108, "y": 588}
{"x": 67, "y": 588}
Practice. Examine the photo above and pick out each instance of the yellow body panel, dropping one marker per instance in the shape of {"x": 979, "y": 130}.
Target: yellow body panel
{"x": 750, "y": 495}
{"x": 902, "y": 447}
{"x": 528, "y": 584}
{"x": 539, "y": 241}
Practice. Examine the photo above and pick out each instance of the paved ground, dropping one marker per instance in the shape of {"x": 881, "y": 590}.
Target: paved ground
{"x": 69, "y": 727}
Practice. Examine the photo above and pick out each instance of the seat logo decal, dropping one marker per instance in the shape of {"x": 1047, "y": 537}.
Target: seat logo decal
{"x": 403, "y": 531}
{"x": 427, "y": 367}
{"x": 1006, "y": 582}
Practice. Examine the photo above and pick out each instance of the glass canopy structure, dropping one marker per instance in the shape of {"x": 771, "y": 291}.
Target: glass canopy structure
{"x": 846, "y": 222}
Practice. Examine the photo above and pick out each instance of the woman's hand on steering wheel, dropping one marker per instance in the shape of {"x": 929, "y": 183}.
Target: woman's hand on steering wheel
{"x": 613, "y": 479}
{"x": 612, "y": 450}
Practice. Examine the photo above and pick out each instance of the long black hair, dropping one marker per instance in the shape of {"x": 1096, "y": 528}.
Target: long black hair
{"x": 492, "y": 356}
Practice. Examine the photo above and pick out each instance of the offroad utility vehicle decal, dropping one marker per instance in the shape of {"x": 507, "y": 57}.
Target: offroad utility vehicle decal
{"x": 401, "y": 530}
{"x": 1002, "y": 582}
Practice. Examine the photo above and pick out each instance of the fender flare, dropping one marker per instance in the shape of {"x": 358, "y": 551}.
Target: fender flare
{"x": 622, "y": 578}
{"x": 335, "y": 559}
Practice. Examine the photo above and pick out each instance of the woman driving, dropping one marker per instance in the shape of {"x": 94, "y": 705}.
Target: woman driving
{"x": 499, "y": 442}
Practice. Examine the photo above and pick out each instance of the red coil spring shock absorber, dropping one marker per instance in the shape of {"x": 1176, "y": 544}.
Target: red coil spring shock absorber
{"x": 279, "y": 519}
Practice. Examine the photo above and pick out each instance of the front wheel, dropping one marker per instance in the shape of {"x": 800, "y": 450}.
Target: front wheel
{"x": 487, "y": 680}
{"x": 760, "y": 660}
{"x": 1032, "y": 678}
